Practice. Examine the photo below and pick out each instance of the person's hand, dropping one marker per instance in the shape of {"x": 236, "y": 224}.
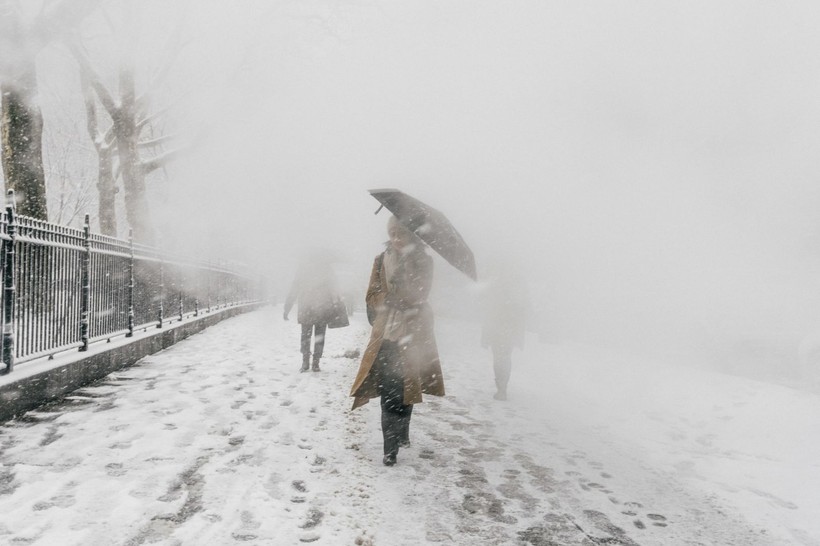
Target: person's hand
{"x": 285, "y": 316}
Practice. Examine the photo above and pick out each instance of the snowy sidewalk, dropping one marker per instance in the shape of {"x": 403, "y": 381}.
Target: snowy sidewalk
{"x": 219, "y": 440}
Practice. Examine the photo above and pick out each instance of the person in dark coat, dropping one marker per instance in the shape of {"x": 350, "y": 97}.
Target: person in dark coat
{"x": 313, "y": 290}
{"x": 401, "y": 359}
{"x": 506, "y": 310}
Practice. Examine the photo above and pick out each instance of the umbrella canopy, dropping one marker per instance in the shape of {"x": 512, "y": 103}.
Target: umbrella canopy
{"x": 431, "y": 226}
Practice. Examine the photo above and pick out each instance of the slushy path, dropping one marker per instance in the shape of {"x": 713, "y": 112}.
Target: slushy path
{"x": 219, "y": 440}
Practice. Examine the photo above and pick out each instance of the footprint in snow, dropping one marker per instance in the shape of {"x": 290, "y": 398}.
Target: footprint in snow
{"x": 631, "y": 508}
{"x": 318, "y": 461}
{"x": 657, "y": 520}
{"x": 314, "y": 518}
{"x": 115, "y": 469}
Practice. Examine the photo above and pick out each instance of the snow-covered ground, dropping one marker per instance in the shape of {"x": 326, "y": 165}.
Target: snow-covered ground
{"x": 219, "y": 440}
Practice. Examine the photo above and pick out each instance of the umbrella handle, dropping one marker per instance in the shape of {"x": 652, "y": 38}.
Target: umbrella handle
{"x": 379, "y": 209}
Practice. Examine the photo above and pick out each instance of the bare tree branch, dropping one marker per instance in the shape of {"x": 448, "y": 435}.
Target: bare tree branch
{"x": 155, "y": 141}
{"x": 109, "y": 138}
{"x": 94, "y": 80}
{"x": 142, "y": 123}
{"x": 161, "y": 160}
{"x": 90, "y": 112}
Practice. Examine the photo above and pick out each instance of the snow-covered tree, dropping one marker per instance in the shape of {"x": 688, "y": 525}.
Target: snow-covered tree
{"x": 127, "y": 145}
{"x": 25, "y": 29}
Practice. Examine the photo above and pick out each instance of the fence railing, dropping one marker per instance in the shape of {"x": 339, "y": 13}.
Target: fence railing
{"x": 65, "y": 288}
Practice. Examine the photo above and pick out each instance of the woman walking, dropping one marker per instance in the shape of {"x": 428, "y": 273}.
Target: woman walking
{"x": 506, "y": 313}
{"x": 314, "y": 291}
{"x": 401, "y": 359}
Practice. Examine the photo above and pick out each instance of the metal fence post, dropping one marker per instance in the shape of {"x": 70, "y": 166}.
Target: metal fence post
{"x": 208, "y": 273}
{"x": 161, "y": 290}
{"x": 9, "y": 290}
{"x": 130, "y": 284}
{"x": 218, "y": 288}
{"x": 85, "y": 276}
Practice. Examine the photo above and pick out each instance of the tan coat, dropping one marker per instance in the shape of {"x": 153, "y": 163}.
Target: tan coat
{"x": 421, "y": 366}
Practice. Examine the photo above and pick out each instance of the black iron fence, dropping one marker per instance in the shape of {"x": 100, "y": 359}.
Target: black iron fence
{"x": 65, "y": 288}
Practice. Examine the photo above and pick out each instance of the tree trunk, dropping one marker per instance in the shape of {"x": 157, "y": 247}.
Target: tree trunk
{"x": 133, "y": 180}
{"x": 21, "y": 126}
{"x": 107, "y": 193}
{"x": 106, "y": 186}
{"x": 133, "y": 176}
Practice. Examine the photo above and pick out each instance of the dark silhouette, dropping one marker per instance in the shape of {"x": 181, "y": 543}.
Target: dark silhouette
{"x": 314, "y": 292}
{"x": 505, "y": 310}
{"x": 401, "y": 359}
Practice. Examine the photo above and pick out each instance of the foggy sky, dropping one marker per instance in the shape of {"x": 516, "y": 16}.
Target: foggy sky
{"x": 651, "y": 165}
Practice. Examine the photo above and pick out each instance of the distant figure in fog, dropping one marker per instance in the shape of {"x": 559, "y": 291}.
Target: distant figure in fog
{"x": 314, "y": 292}
{"x": 505, "y": 314}
{"x": 401, "y": 359}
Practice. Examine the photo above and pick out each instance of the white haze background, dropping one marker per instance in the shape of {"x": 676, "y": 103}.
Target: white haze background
{"x": 650, "y": 166}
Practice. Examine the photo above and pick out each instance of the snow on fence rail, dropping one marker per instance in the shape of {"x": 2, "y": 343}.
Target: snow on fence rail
{"x": 64, "y": 288}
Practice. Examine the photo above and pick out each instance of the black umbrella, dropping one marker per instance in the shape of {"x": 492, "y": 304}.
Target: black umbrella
{"x": 431, "y": 226}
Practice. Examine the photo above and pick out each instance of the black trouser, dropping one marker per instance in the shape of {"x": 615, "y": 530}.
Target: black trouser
{"x": 502, "y": 364}
{"x": 319, "y": 339}
{"x": 395, "y": 413}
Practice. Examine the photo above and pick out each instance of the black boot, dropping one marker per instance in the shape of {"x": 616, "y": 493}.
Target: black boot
{"x": 316, "y": 367}
{"x": 391, "y": 426}
{"x": 404, "y": 430}
{"x": 305, "y": 362}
